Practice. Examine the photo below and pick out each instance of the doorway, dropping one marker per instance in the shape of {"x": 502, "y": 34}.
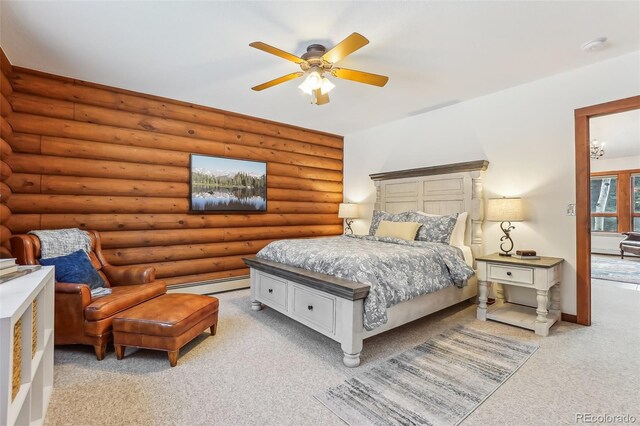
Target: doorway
{"x": 583, "y": 197}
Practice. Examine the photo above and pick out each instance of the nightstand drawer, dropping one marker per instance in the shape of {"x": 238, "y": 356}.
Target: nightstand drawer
{"x": 511, "y": 273}
{"x": 273, "y": 290}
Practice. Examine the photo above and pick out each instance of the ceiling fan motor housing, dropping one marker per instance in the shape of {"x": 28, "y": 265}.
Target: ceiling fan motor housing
{"x": 313, "y": 58}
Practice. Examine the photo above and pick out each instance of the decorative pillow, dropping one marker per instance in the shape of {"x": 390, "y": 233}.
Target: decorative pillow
{"x": 457, "y": 235}
{"x": 75, "y": 268}
{"x": 435, "y": 229}
{"x": 403, "y": 230}
{"x": 379, "y": 216}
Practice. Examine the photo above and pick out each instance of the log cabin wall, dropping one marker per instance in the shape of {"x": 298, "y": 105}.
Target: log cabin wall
{"x": 83, "y": 155}
{"x": 5, "y": 152}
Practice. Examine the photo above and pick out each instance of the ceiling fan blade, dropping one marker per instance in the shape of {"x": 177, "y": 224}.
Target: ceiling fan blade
{"x": 277, "y": 81}
{"x": 346, "y": 47}
{"x": 320, "y": 98}
{"x": 275, "y": 51}
{"x": 360, "y": 76}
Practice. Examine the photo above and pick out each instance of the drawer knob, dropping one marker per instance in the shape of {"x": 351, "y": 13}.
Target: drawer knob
{"x": 310, "y": 307}
{"x": 271, "y": 290}
{"x": 509, "y": 273}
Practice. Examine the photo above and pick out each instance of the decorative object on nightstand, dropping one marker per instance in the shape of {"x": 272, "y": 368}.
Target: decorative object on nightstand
{"x": 348, "y": 212}
{"x": 526, "y": 254}
{"x": 505, "y": 210}
{"x": 542, "y": 275}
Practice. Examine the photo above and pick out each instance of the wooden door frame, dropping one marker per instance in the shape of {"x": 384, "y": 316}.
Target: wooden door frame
{"x": 583, "y": 209}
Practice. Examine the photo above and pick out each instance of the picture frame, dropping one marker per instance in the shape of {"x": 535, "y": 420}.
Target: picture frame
{"x": 222, "y": 184}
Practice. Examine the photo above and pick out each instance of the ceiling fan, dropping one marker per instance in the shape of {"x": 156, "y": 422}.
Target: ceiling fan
{"x": 317, "y": 61}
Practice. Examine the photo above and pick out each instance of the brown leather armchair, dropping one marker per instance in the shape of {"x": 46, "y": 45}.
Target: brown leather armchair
{"x": 630, "y": 244}
{"x": 79, "y": 319}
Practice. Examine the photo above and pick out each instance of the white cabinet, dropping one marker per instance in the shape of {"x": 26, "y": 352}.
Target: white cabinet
{"x": 541, "y": 275}
{"x": 26, "y": 347}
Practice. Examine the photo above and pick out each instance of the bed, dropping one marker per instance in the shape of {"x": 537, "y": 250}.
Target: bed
{"x": 335, "y": 306}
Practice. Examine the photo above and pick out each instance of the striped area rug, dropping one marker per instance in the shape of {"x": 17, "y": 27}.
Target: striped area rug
{"x": 612, "y": 269}
{"x": 439, "y": 382}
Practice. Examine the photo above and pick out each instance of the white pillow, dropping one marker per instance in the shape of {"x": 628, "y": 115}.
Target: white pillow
{"x": 457, "y": 235}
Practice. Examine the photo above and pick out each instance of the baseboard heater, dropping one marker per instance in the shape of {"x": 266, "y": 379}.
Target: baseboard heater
{"x": 211, "y": 286}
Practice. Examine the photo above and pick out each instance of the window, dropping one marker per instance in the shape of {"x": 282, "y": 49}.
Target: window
{"x": 615, "y": 201}
{"x": 604, "y": 204}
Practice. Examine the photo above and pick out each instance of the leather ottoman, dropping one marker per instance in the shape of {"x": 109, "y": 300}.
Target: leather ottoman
{"x": 165, "y": 323}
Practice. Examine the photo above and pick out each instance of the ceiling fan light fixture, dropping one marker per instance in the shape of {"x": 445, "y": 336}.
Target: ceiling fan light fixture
{"x": 305, "y": 88}
{"x": 326, "y": 86}
{"x": 314, "y": 80}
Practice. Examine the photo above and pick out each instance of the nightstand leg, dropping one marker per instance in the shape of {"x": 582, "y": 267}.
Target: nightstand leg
{"x": 499, "y": 292}
{"x": 541, "y": 320}
{"x": 555, "y": 297}
{"x": 482, "y": 300}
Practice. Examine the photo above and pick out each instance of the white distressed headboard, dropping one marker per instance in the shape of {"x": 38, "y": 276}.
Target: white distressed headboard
{"x": 445, "y": 189}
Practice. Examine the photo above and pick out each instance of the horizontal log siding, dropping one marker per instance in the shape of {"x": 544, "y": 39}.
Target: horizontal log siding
{"x": 95, "y": 157}
{"x": 6, "y": 172}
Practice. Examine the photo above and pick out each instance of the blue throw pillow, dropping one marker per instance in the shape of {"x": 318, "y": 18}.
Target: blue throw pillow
{"x": 75, "y": 268}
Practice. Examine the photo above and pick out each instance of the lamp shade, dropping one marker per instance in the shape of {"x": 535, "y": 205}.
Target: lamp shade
{"x": 348, "y": 211}
{"x": 505, "y": 210}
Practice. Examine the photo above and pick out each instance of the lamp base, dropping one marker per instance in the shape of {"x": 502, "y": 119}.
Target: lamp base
{"x": 347, "y": 229}
{"x": 506, "y": 242}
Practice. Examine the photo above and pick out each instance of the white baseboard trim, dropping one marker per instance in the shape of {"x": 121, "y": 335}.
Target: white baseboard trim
{"x": 605, "y": 251}
{"x": 211, "y": 286}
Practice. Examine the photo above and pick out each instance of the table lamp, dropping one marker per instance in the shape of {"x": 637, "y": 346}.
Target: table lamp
{"x": 348, "y": 211}
{"x": 505, "y": 210}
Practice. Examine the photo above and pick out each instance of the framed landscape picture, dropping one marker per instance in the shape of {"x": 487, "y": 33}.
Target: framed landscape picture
{"x": 220, "y": 184}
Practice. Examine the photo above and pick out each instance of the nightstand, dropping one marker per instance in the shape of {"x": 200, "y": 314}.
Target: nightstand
{"x": 542, "y": 275}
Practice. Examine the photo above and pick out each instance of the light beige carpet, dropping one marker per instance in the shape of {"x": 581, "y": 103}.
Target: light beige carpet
{"x": 262, "y": 368}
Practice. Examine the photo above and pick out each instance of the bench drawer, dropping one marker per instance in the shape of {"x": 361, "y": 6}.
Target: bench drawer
{"x": 317, "y": 309}
{"x": 273, "y": 291}
{"x": 511, "y": 273}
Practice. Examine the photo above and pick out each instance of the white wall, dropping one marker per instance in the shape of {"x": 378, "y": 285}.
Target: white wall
{"x": 608, "y": 164}
{"x": 605, "y": 242}
{"x": 526, "y": 133}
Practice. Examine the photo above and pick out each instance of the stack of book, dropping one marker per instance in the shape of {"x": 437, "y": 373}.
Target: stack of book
{"x": 7, "y": 266}
{"x": 526, "y": 254}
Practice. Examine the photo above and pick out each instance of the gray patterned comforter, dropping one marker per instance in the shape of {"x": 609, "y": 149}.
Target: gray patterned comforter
{"x": 397, "y": 270}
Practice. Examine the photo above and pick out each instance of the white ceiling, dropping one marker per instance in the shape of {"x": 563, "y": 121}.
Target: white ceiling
{"x": 619, "y": 132}
{"x": 435, "y": 53}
